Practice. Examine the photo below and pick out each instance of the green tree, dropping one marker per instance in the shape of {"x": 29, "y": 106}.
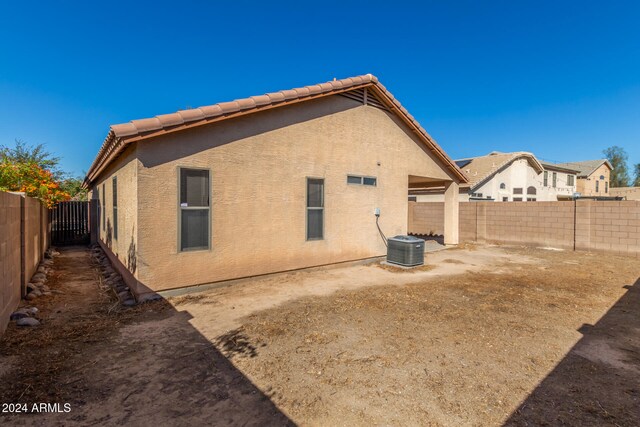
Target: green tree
{"x": 618, "y": 159}
{"x": 33, "y": 171}
{"x": 22, "y": 153}
{"x": 73, "y": 186}
{"x": 636, "y": 181}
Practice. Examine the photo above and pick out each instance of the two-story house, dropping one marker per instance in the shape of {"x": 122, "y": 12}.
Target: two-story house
{"x": 508, "y": 177}
{"x": 593, "y": 177}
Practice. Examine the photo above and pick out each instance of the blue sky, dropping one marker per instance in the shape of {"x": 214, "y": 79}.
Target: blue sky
{"x": 560, "y": 79}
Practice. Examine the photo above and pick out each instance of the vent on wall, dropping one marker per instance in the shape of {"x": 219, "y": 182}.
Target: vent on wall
{"x": 359, "y": 95}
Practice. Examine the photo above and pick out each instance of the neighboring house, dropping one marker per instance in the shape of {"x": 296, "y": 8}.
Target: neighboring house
{"x": 558, "y": 183}
{"x": 593, "y": 177}
{"x": 271, "y": 183}
{"x": 627, "y": 193}
{"x": 506, "y": 177}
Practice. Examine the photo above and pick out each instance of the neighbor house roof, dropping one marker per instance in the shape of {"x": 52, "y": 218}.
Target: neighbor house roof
{"x": 557, "y": 167}
{"x": 479, "y": 170}
{"x": 121, "y": 135}
{"x": 586, "y": 167}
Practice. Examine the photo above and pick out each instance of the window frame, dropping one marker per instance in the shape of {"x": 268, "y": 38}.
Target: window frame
{"x": 104, "y": 206}
{"x": 572, "y": 179}
{"x": 606, "y": 187}
{"x": 307, "y": 208}
{"x": 362, "y": 178}
{"x": 554, "y": 180}
{"x": 181, "y": 208}
{"x": 545, "y": 179}
{"x": 114, "y": 207}
{"x": 597, "y": 186}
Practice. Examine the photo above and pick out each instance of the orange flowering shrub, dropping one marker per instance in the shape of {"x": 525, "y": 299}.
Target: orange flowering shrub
{"x": 32, "y": 180}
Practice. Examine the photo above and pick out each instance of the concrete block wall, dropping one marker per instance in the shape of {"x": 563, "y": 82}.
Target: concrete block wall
{"x": 427, "y": 218}
{"x": 605, "y": 226}
{"x": 19, "y": 257}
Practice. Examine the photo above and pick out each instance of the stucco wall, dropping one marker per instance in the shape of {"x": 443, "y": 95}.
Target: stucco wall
{"x": 124, "y": 246}
{"x": 629, "y": 193}
{"x": 259, "y": 165}
{"x": 587, "y": 186}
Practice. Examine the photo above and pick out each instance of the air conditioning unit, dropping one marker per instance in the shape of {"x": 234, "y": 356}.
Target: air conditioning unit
{"x": 407, "y": 251}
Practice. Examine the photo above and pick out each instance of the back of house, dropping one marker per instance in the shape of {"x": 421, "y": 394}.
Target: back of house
{"x": 272, "y": 183}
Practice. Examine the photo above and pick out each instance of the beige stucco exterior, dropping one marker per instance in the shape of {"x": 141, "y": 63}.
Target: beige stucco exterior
{"x": 123, "y": 246}
{"x": 587, "y": 186}
{"x": 258, "y": 166}
{"x": 628, "y": 193}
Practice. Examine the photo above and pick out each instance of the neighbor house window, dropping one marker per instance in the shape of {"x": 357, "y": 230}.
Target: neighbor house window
{"x": 546, "y": 179}
{"x": 503, "y": 186}
{"x": 570, "y": 180}
{"x": 517, "y": 191}
{"x": 104, "y": 212}
{"x": 195, "y": 209}
{"x": 606, "y": 186}
{"x": 554, "y": 179}
{"x": 362, "y": 180}
{"x": 517, "y": 199}
{"x": 531, "y": 199}
{"x": 315, "y": 209}
{"x": 531, "y": 190}
{"x": 505, "y": 199}
{"x": 597, "y": 186}
{"x": 413, "y": 199}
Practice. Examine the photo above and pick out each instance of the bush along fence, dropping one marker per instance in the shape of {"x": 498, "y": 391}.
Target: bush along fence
{"x": 604, "y": 226}
{"x": 24, "y": 238}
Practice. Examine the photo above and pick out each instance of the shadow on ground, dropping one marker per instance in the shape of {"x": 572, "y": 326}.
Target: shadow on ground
{"x": 142, "y": 366}
{"x": 579, "y": 390}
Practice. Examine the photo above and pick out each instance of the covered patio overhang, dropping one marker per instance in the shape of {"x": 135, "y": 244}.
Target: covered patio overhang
{"x": 450, "y": 189}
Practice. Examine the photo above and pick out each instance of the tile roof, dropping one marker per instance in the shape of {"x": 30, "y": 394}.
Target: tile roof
{"x": 555, "y": 166}
{"x": 478, "y": 170}
{"x": 585, "y": 168}
{"x": 121, "y": 135}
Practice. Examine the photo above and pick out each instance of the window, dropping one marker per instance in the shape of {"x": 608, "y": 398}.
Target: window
{"x": 195, "y": 209}
{"x": 114, "y": 182}
{"x": 570, "y": 180}
{"x": 104, "y": 212}
{"x": 517, "y": 199}
{"x": 546, "y": 179}
{"x": 413, "y": 199}
{"x": 315, "y": 209}
{"x": 351, "y": 179}
{"x": 479, "y": 195}
{"x": 505, "y": 199}
{"x": 502, "y": 186}
{"x": 602, "y": 177}
{"x": 531, "y": 199}
{"x": 531, "y": 190}
{"x": 362, "y": 180}
{"x": 554, "y": 179}
{"x": 597, "y": 186}
{"x": 369, "y": 181}
{"x": 517, "y": 191}
{"x": 606, "y": 186}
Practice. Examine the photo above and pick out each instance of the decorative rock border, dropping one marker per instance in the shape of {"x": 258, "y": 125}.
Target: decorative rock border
{"x": 36, "y": 288}
{"x": 111, "y": 277}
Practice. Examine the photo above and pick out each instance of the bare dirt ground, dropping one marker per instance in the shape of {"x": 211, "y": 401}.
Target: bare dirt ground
{"x": 483, "y": 336}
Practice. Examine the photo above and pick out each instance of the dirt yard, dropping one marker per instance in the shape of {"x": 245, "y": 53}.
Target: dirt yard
{"x": 481, "y": 336}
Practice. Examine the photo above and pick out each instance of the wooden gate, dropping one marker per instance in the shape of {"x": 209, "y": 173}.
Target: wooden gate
{"x": 70, "y": 223}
